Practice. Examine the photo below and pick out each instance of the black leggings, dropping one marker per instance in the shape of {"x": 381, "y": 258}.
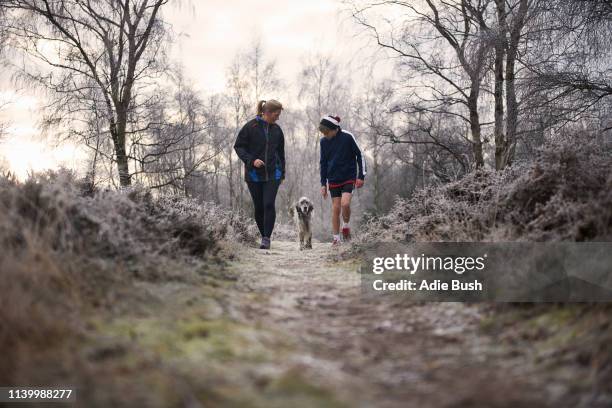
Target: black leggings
{"x": 264, "y": 196}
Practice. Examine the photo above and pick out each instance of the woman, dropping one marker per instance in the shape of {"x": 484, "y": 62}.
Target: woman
{"x": 261, "y": 146}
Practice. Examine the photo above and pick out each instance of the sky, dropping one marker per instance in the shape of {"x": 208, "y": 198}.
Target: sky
{"x": 207, "y": 35}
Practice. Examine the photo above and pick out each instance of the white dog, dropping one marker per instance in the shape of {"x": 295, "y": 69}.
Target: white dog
{"x": 302, "y": 214}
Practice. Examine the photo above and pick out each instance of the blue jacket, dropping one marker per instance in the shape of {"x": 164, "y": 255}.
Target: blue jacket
{"x": 341, "y": 157}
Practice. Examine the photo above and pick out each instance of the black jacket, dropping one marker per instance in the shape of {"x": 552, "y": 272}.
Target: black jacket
{"x": 260, "y": 140}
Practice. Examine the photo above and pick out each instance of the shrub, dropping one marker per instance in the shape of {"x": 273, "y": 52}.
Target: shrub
{"x": 564, "y": 194}
{"x": 66, "y": 246}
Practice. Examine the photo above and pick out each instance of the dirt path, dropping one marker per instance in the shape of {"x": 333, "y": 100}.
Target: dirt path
{"x": 289, "y": 328}
{"x": 369, "y": 352}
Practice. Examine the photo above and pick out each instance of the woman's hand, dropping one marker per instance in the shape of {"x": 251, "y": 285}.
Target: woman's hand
{"x": 359, "y": 183}
{"x": 324, "y": 191}
{"x": 258, "y": 163}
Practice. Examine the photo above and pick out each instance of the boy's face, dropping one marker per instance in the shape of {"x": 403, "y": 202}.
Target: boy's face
{"x": 328, "y": 133}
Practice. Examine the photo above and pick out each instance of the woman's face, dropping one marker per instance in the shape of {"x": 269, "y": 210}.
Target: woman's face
{"x": 272, "y": 117}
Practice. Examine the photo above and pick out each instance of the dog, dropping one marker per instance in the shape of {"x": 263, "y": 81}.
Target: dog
{"x": 302, "y": 214}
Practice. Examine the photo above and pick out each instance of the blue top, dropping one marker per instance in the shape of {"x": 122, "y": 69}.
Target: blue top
{"x": 341, "y": 158}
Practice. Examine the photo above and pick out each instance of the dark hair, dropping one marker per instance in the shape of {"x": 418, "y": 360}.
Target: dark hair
{"x": 271, "y": 105}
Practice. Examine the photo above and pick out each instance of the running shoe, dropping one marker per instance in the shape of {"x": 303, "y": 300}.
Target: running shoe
{"x": 265, "y": 243}
{"x": 346, "y": 234}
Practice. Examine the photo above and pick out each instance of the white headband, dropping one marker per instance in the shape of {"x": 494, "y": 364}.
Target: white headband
{"x": 330, "y": 119}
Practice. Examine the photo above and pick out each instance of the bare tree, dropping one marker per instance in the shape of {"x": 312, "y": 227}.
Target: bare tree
{"x": 556, "y": 72}
{"x": 445, "y": 79}
{"x": 322, "y": 90}
{"x": 237, "y": 95}
{"x": 3, "y": 28}
{"x": 505, "y": 152}
{"x": 3, "y": 33}
{"x": 506, "y": 30}
{"x": 262, "y": 74}
{"x": 375, "y": 119}
{"x": 175, "y": 152}
{"x": 104, "y": 54}
{"x": 582, "y": 29}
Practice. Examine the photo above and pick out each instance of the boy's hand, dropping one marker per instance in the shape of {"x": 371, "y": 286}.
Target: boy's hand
{"x": 324, "y": 191}
{"x": 359, "y": 183}
{"x": 258, "y": 163}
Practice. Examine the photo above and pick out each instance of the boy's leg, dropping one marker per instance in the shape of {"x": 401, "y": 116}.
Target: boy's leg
{"x": 336, "y": 198}
{"x": 346, "y": 211}
{"x": 345, "y": 204}
{"x": 336, "y": 207}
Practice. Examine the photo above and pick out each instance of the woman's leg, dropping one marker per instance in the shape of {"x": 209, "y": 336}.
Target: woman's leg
{"x": 270, "y": 189}
{"x": 257, "y": 194}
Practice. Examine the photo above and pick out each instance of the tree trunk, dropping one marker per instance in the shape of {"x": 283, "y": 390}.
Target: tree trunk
{"x": 512, "y": 107}
{"x": 500, "y": 51}
{"x": 475, "y": 127}
{"x": 377, "y": 192}
{"x": 118, "y": 134}
{"x": 231, "y": 177}
{"x": 511, "y": 102}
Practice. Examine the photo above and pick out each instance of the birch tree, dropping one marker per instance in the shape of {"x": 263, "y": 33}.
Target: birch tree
{"x": 103, "y": 54}
{"x": 444, "y": 49}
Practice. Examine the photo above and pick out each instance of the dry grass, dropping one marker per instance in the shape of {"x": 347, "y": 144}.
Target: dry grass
{"x": 563, "y": 195}
{"x": 66, "y": 248}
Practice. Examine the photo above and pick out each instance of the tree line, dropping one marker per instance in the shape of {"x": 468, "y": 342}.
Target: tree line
{"x": 476, "y": 84}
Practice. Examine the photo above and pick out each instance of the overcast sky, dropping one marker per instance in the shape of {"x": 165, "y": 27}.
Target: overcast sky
{"x": 207, "y": 36}
{"x": 210, "y": 33}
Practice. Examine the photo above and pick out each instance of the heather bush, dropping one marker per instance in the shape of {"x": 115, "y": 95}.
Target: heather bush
{"x": 565, "y": 194}
{"x": 121, "y": 224}
{"x": 66, "y": 247}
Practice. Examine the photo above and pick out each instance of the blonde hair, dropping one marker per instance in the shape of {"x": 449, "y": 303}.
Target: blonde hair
{"x": 271, "y": 105}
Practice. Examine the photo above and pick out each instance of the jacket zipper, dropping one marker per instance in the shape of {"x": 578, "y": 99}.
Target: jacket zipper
{"x": 266, "y": 151}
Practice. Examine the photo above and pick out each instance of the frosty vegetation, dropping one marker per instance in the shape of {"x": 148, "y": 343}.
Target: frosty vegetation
{"x": 69, "y": 215}
{"x": 494, "y": 126}
{"x": 565, "y": 194}
{"x": 475, "y": 85}
{"x": 67, "y": 246}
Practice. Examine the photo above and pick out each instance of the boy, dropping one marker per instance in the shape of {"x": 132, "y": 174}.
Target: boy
{"x": 342, "y": 168}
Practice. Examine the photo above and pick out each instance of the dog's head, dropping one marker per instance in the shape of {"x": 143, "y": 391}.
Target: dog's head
{"x": 304, "y": 206}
